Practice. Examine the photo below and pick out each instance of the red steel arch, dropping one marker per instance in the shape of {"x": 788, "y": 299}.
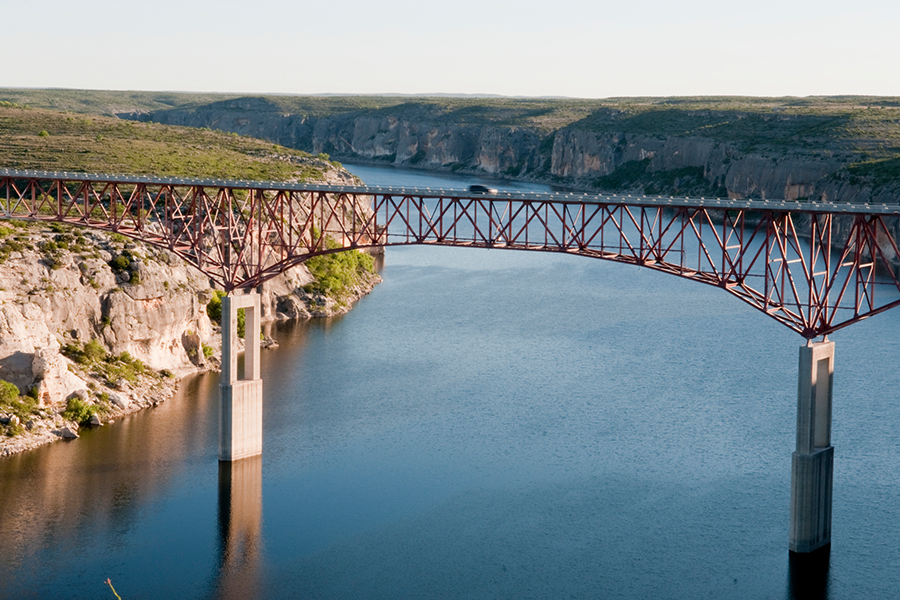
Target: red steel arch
{"x": 814, "y": 267}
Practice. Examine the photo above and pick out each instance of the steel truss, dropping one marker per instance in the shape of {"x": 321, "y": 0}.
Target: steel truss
{"x": 814, "y": 267}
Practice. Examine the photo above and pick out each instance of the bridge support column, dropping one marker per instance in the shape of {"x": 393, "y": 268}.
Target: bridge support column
{"x": 240, "y": 400}
{"x": 812, "y": 465}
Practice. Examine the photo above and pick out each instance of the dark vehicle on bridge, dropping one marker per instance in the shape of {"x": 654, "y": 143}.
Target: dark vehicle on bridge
{"x": 482, "y": 189}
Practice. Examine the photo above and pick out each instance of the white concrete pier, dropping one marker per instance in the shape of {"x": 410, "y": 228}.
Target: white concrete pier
{"x": 240, "y": 400}
{"x": 812, "y": 466}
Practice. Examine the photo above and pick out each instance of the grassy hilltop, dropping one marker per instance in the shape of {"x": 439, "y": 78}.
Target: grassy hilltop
{"x": 34, "y": 138}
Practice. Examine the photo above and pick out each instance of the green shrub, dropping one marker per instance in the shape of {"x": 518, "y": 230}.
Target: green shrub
{"x": 214, "y": 311}
{"x": 337, "y": 274}
{"x": 8, "y": 392}
{"x": 21, "y": 406}
{"x": 14, "y": 430}
{"x": 207, "y": 351}
{"x": 94, "y": 350}
{"x": 79, "y": 411}
{"x": 43, "y": 133}
{"x": 214, "y": 307}
{"x": 121, "y": 262}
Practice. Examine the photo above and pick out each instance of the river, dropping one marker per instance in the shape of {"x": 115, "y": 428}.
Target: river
{"x": 485, "y": 424}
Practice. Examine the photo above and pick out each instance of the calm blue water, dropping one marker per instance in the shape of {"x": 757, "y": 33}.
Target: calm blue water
{"x": 485, "y": 424}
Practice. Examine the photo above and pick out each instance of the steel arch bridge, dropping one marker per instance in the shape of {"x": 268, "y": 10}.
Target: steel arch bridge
{"x": 815, "y": 267}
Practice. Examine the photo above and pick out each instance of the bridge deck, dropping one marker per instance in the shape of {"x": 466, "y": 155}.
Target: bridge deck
{"x": 559, "y": 197}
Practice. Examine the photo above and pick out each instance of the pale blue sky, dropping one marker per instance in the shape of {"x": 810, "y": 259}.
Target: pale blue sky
{"x": 549, "y": 48}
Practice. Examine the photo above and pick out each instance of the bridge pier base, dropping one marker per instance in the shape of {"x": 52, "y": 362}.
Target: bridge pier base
{"x": 240, "y": 400}
{"x": 812, "y": 465}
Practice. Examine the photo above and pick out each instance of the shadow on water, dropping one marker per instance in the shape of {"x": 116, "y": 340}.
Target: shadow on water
{"x": 808, "y": 575}
{"x": 240, "y": 524}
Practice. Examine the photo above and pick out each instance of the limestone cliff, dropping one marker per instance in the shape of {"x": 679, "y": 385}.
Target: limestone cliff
{"x": 737, "y": 152}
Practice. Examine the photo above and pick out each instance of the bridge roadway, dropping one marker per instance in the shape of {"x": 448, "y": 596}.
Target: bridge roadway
{"x": 810, "y": 260}
{"x": 427, "y": 192}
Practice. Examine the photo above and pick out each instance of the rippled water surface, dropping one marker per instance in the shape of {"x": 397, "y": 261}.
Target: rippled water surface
{"x": 485, "y": 424}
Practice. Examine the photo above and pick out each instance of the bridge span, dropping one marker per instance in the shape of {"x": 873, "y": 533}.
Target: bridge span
{"x": 815, "y": 267}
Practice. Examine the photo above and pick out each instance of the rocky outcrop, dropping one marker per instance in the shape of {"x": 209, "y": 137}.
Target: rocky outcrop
{"x": 29, "y": 352}
{"x": 64, "y": 287}
{"x": 582, "y": 157}
{"x": 78, "y": 296}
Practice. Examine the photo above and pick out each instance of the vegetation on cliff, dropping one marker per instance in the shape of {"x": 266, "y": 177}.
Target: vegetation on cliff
{"x": 338, "y": 274}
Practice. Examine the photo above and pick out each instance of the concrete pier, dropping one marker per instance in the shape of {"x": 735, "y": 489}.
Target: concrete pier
{"x": 812, "y": 466}
{"x": 240, "y": 400}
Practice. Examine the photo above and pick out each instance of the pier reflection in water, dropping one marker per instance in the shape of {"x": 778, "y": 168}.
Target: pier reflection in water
{"x": 240, "y": 522}
{"x": 808, "y": 575}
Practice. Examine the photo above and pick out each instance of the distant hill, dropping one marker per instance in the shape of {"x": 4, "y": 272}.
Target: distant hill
{"x": 837, "y": 148}
{"x": 35, "y": 138}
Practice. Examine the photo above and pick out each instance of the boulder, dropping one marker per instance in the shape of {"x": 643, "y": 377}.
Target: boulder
{"x": 95, "y": 421}
{"x": 52, "y": 376}
{"x": 119, "y": 400}
{"x": 68, "y": 433}
{"x": 83, "y": 394}
{"x": 22, "y": 330}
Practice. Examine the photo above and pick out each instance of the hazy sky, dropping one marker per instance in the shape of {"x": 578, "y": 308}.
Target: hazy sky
{"x": 590, "y": 49}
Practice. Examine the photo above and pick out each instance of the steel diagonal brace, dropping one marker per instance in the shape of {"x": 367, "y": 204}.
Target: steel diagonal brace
{"x": 429, "y": 220}
{"x": 635, "y": 257}
{"x": 678, "y": 224}
{"x": 548, "y": 231}
{"x": 588, "y": 242}
{"x": 565, "y": 231}
{"x": 436, "y": 222}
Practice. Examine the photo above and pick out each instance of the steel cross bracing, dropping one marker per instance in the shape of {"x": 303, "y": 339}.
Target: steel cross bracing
{"x": 815, "y": 267}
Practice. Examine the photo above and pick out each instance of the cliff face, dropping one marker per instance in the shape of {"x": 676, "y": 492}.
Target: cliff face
{"x": 578, "y": 154}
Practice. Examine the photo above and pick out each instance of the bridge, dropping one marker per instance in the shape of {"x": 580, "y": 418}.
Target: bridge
{"x": 815, "y": 267}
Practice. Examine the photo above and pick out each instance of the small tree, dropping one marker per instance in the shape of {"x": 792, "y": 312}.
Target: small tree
{"x": 8, "y": 392}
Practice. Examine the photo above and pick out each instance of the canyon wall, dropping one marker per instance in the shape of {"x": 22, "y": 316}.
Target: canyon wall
{"x": 576, "y": 155}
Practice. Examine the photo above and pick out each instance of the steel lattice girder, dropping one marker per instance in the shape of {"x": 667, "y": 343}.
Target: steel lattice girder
{"x": 815, "y": 267}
